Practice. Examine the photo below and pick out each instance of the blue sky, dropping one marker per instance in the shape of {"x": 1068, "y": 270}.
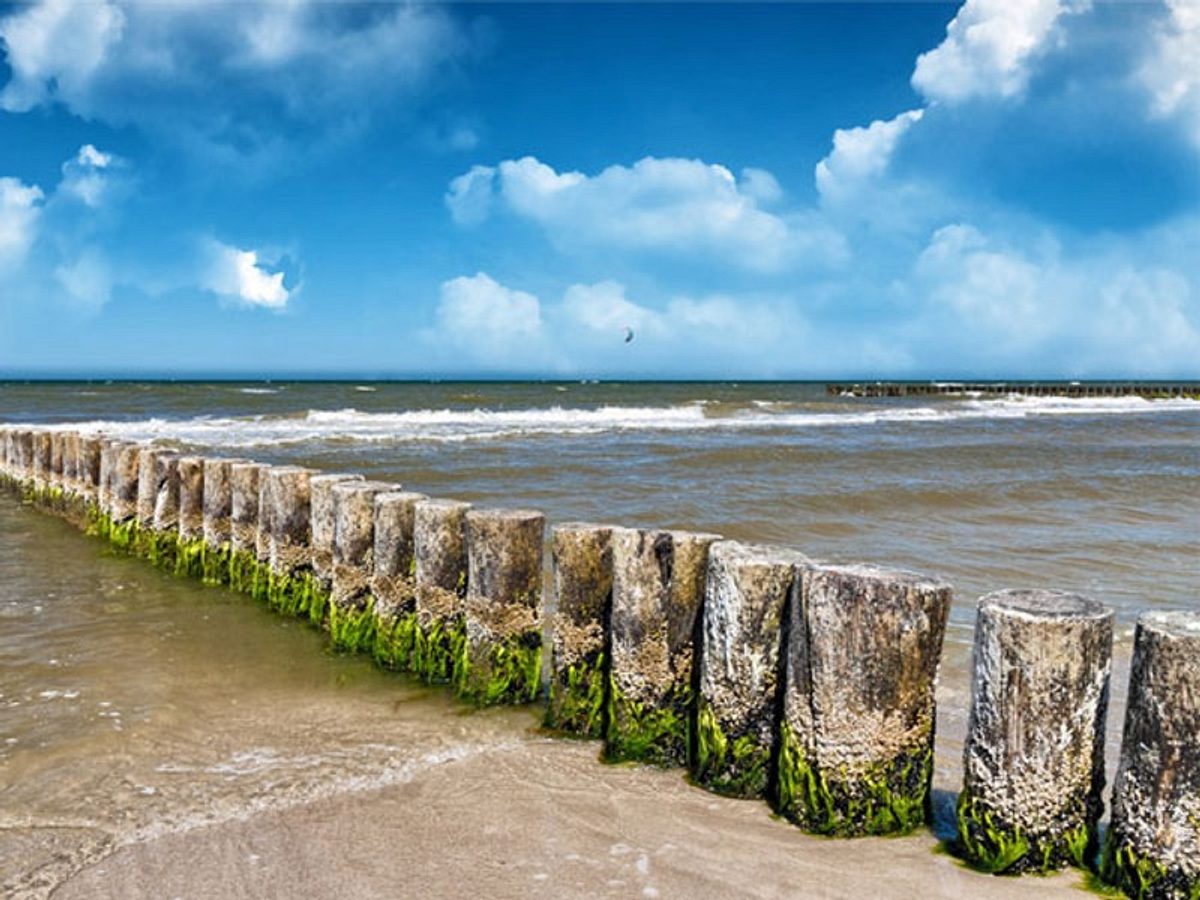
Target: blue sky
{"x": 1005, "y": 188}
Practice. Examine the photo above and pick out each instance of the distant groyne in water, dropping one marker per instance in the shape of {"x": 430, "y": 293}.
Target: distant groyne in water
{"x": 764, "y": 673}
{"x": 1150, "y": 390}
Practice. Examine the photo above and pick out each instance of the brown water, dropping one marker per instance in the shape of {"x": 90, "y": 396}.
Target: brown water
{"x": 158, "y": 738}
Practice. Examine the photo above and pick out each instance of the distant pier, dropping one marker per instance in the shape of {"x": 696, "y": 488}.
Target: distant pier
{"x": 1151, "y": 390}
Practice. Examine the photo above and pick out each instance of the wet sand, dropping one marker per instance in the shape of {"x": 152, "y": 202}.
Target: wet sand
{"x": 535, "y": 819}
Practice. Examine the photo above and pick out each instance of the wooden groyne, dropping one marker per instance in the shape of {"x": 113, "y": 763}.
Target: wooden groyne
{"x": 1149, "y": 390}
{"x": 766, "y": 674}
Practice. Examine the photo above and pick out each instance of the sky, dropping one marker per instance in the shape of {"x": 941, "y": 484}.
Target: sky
{"x": 997, "y": 189}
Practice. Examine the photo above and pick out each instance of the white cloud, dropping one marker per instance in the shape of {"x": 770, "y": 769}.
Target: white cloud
{"x": 683, "y": 206}
{"x": 489, "y": 320}
{"x": 88, "y": 279}
{"x": 55, "y": 48}
{"x": 1089, "y": 312}
{"x": 20, "y": 209}
{"x": 861, "y": 154}
{"x": 989, "y": 49}
{"x": 238, "y": 275}
{"x": 235, "y": 82}
{"x": 1171, "y": 70}
{"x": 469, "y": 196}
{"x": 87, "y": 177}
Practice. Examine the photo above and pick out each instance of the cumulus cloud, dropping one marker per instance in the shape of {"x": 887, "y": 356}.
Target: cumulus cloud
{"x": 484, "y": 323}
{"x": 1093, "y": 310}
{"x": 88, "y": 176}
{"x": 20, "y": 209}
{"x": 239, "y": 276}
{"x": 232, "y": 85}
{"x": 682, "y": 206}
{"x": 861, "y": 154}
{"x": 1171, "y": 70}
{"x": 87, "y": 279}
{"x": 989, "y": 49}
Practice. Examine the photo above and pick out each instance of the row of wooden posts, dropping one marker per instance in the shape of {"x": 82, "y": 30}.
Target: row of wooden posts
{"x": 765, "y": 673}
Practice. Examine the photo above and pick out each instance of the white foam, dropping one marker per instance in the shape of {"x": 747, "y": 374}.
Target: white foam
{"x": 457, "y": 425}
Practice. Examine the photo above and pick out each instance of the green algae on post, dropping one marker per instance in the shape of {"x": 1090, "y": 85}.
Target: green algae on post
{"x": 1152, "y": 850}
{"x": 290, "y": 586}
{"x": 393, "y": 581}
{"x": 582, "y": 562}
{"x": 1033, "y": 762}
{"x": 501, "y": 659}
{"x": 351, "y": 607}
{"x": 439, "y": 538}
{"x": 217, "y": 507}
{"x": 189, "y": 554}
{"x": 658, "y": 589}
{"x": 243, "y": 524}
{"x": 854, "y": 754}
{"x": 747, "y": 589}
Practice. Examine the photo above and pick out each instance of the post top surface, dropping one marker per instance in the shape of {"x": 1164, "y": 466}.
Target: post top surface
{"x": 396, "y": 495}
{"x": 761, "y": 554}
{"x": 1177, "y": 623}
{"x": 442, "y": 503}
{"x": 346, "y": 488}
{"x": 506, "y": 515}
{"x": 1044, "y": 604}
{"x": 580, "y": 527}
{"x": 334, "y": 478}
{"x": 869, "y": 571}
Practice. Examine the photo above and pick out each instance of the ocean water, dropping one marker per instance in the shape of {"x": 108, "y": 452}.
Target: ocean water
{"x": 134, "y": 706}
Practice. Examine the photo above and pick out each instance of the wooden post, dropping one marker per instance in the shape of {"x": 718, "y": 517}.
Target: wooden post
{"x": 502, "y": 658}
{"x": 324, "y": 522}
{"x": 583, "y": 577}
{"x": 189, "y": 556}
{"x": 292, "y": 589}
{"x": 658, "y": 589}
{"x": 163, "y": 538}
{"x": 217, "y": 528}
{"x": 244, "y": 480}
{"x": 1033, "y": 763}
{"x": 89, "y": 470}
{"x": 351, "y": 611}
{"x": 855, "y": 746}
{"x": 394, "y": 581}
{"x": 746, "y": 594}
{"x": 1153, "y": 845}
{"x": 441, "y": 572}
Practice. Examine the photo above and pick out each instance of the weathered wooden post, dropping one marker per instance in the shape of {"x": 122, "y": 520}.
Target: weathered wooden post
{"x": 189, "y": 555}
{"x": 745, "y": 601}
{"x": 218, "y": 506}
{"x": 439, "y": 535}
{"x": 41, "y": 465}
{"x": 658, "y": 588}
{"x": 123, "y": 494}
{"x": 25, "y": 459}
{"x": 1153, "y": 846}
{"x": 261, "y": 588}
{"x": 1033, "y": 763}
{"x": 393, "y": 583}
{"x": 89, "y": 473}
{"x": 501, "y": 660}
{"x": 163, "y": 536}
{"x": 855, "y": 746}
{"x": 70, "y": 463}
{"x": 55, "y": 475}
{"x": 351, "y": 608}
{"x": 581, "y": 556}
{"x": 243, "y": 525}
{"x": 292, "y": 589}
{"x": 324, "y": 522}
{"x": 147, "y": 498}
